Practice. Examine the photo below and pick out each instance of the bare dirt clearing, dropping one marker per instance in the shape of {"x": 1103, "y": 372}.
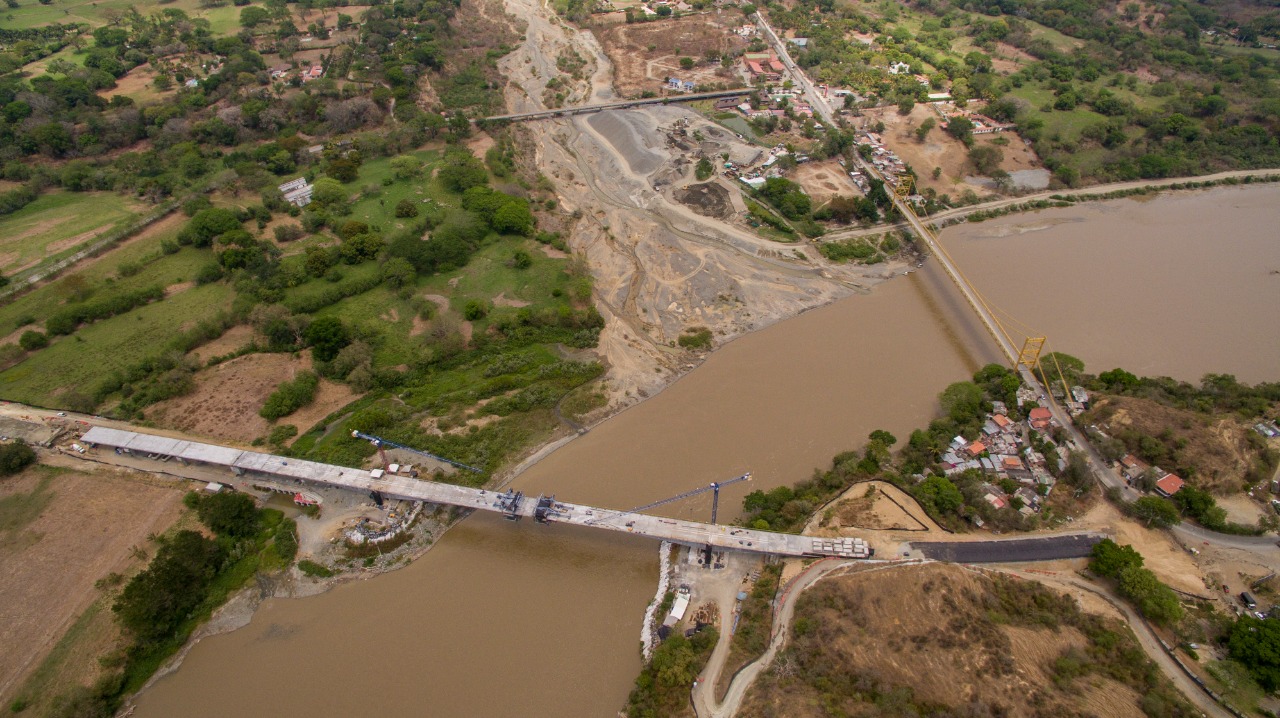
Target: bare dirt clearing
{"x": 875, "y": 505}
{"x": 940, "y": 149}
{"x": 824, "y": 180}
{"x": 1169, "y": 561}
{"x": 231, "y": 340}
{"x": 138, "y": 84}
{"x": 60, "y": 531}
{"x": 644, "y": 54}
{"x": 228, "y": 396}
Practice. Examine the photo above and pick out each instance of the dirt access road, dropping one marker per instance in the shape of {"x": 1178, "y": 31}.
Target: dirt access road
{"x": 659, "y": 267}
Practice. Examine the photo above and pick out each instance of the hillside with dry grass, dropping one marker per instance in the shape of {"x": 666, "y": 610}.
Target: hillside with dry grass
{"x": 1217, "y": 452}
{"x": 945, "y": 641}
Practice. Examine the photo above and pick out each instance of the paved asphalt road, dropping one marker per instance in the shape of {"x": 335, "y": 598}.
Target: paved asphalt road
{"x": 1036, "y": 549}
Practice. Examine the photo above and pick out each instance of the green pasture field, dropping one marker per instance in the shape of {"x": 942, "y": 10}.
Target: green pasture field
{"x": 1060, "y": 42}
{"x": 46, "y": 228}
{"x": 66, "y": 54}
{"x": 30, "y": 13}
{"x": 490, "y": 274}
{"x": 1263, "y": 52}
{"x": 380, "y": 210}
{"x": 79, "y": 362}
{"x": 380, "y": 312}
{"x": 103, "y": 274}
{"x": 1066, "y": 123}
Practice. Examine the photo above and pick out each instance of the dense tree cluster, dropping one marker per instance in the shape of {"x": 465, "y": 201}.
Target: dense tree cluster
{"x": 291, "y": 395}
{"x": 15, "y": 456}
{"x": 1256, "y": 644}
{"x": 158, "y": 599}
{"x": 1157, "y": 602}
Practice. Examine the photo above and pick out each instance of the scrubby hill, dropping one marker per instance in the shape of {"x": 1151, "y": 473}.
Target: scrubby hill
{"x": 1217, "y": 452}
{"x": 944, "y": 641}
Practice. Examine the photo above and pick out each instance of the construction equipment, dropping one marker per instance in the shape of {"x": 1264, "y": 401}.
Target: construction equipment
{"x": 715, "y": 497}
{"x": 547, "y": 509}
{"x": 714, "y": 487}
{"x": 509, "y": 504}
{"x": 380, "y": 442}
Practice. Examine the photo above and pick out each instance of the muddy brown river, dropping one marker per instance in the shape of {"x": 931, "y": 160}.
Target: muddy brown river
{"x": 507, "y": 619}
{"x": 1176, "y": 284}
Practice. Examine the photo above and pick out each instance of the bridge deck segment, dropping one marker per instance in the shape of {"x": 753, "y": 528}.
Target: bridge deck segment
{"x": 403, "y": 487}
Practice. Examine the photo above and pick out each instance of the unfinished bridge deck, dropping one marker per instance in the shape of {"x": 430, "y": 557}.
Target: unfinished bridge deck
{"x": 403, "y": 487}
{"x": 283, "y": 469}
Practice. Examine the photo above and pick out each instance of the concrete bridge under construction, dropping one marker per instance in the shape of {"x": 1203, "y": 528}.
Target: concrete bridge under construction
{"x": 304, "y": 474}
{"x": 511, "y": 504}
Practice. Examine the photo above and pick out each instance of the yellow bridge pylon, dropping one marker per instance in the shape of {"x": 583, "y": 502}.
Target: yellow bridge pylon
{"x": 1032, "y": 346}
{"x": 906, "y": 183}
{"x": 1030, "y": 354}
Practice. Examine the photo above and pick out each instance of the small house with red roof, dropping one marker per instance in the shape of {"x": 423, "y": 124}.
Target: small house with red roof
{"x": 1169, "y": 485}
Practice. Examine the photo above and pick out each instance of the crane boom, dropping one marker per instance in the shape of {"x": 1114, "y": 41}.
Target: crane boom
{"x": 379, "y": 442}
{"x": 703, "y": 489}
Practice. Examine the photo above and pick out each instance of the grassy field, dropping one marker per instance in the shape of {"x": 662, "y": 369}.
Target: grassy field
{"x": 30, "y": 13}
{"x": 1265, "y": 53}
{"x": 103, "y": 274}
{"x": 379, "y": 210}
{"x": 57, "y": 224}
{"x": 1060, "y": 42}
{"x": 1066, "y": 123}
{"x": 80, "y": 362}
{"x": 490, "y": 274}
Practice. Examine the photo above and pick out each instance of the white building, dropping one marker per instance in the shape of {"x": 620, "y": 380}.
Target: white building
{"x": 297, "y": 192}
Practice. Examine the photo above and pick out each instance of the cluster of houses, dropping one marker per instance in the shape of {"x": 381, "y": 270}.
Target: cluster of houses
{"x": 763, "y": 65}
{"x": 650, "y": 9}
{"x": 1134, "y": 469}
{"x": 982, "y": 125}
{"x": 307, "y": 74}
{"x": 1001, "y": 452}
{"x": 884, "y": 159}
{"x": 779, "y": 102}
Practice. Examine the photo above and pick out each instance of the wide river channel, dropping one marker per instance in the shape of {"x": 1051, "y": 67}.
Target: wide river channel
{"x": 504, "y": 619}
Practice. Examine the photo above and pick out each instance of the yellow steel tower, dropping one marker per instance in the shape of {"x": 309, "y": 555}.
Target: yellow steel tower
{"x": 1032, "y": 346}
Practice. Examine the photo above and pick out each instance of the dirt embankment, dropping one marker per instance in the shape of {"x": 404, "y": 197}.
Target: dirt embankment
{"x": 1212, "y": 452}
{"x": 984, "y": 646}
